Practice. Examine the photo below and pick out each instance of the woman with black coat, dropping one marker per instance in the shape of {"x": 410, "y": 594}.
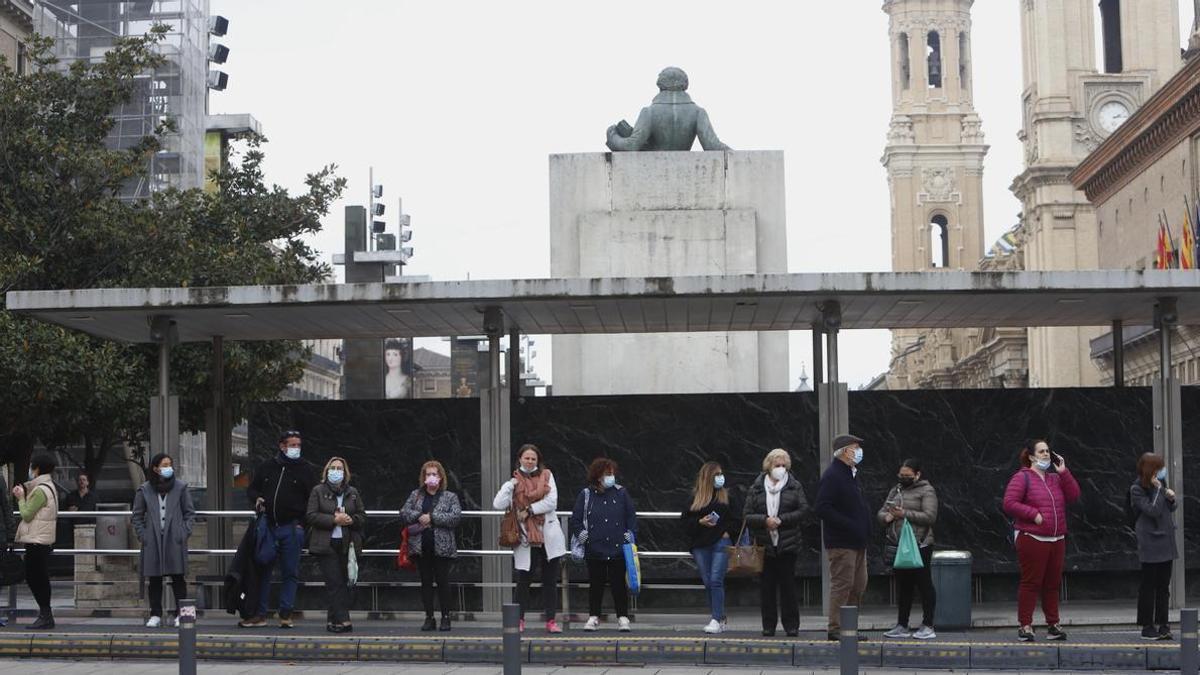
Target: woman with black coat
{"x": 1155, "y": 505}
{"x": 709, "y": 524}
{"x": 336, "y": 520}
{"x": 604, "y": 519}
{"x": 774, "y": 513}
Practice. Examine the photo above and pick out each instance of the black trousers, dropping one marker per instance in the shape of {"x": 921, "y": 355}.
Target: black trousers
{"x": 612, "y": 574}
{"x": 537, "y": 558}
{"x": 178, "y": 587}
{"x": 37, "y": 574}
{"x": 778, "y": 592}
{"x": 906, "y": 581}
{"x": 1154, "y": 593}
{"x": 435, "y": 568}
{"x": 337, "y": 582}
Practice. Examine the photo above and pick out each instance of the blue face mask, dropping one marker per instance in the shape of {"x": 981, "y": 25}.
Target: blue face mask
{"x": 719, "y": 481}
{"x": 1161, "y": 475}
{"x": 166, "y": 471}
{"x": 610, "y": 480}
{"x": 1043, "y": 464}
{"x": 336, "y": 475}
{"x": 32, "y": 475}
{"x": 292, "y": 453}
{"x": 858, "y": 455}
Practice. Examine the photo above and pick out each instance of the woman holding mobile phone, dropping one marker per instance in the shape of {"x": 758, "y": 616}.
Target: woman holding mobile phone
{"x": 709, "y": 524}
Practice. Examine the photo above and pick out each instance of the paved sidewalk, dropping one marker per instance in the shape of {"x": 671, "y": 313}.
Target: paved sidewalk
{"x": 26, "y": 667}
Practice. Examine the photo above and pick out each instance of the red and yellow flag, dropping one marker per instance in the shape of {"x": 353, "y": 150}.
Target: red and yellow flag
{"x": 1161, "y": 248}
{"x": 1187, "y": 244}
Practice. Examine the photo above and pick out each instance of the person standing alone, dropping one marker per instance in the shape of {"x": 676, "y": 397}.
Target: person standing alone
{"x": 846, "y": 521}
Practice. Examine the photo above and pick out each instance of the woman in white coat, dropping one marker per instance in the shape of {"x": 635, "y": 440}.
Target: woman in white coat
{"x": 534, "y": 495}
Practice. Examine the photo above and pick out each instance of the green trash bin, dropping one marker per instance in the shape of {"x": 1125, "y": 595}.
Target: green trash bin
{"x": 951, "y": 571}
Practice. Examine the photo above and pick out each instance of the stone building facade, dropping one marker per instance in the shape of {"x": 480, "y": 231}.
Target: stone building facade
{"x": 16, "y": 24}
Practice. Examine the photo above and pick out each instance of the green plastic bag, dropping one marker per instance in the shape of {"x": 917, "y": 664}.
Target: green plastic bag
{"x": 908, "y": 554}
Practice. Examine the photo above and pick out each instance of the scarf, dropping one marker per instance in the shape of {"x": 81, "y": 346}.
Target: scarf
{"x": 162, "y": 485}
{"x": 773, "y": 489}
{"x": 529, "y": 490}
{"x": 338, "y": 488}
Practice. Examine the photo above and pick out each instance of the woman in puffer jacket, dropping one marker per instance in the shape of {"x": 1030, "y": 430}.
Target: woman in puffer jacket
{"x": 1037, "y": 499}
{"x": 915, "y": 501}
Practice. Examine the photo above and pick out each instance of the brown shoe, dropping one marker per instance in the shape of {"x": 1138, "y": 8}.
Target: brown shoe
{"x": 253, "y": 622}
{"x": 286, "y": 622}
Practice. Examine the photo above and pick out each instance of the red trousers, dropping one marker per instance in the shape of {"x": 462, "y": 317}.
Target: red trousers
{"x": 1041, "y": 575}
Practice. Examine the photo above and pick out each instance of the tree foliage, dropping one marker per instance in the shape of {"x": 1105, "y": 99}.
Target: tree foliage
{"x": 63, "y": 225}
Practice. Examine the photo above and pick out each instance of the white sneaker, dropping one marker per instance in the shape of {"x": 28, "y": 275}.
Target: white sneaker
{"x": 154, "y": 622}
{"x": 593, "y": 623}
{"x": 898, "y": 633}
{"x": 714, "y": 626}
{"x": 925, "y": 633}
{"x": 175, "y": 621}
{"x": 623, "y": 624}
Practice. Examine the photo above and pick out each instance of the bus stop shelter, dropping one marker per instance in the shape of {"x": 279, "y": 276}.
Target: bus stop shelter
{"x": 823, "y": 303}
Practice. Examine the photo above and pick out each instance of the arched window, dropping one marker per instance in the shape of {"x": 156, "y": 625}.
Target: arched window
{"x": 905, "y": 67}
{"x": 939, "y": 241}
{"x": 934, "y": 59}
{"x": 1110, "y": 35}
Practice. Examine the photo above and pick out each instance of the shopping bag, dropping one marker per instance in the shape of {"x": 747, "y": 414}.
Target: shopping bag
{"x": 264, "y": 544}
{"x": 12, "y": 568}
{"x": 578, "y": 543}
{"x": 908, "y": 554}
{"x": 633, "y": 569}
{"x": 745, "y": 559}
{"x": 403, "y": 562}
{"x": 351, "y": 567}
{"x": 510, "y": 530}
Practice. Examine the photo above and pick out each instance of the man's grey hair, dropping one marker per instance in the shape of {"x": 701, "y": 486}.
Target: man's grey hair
{"x": 672, "y": 79}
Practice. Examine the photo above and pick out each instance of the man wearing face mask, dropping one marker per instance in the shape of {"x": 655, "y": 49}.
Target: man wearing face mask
{"x": 846, "y": 524}
{"x": 280, "y": 490}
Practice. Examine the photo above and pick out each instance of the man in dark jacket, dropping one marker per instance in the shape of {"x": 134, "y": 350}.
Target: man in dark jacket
{"x": 846, "y": 524}
{"x": 280, "y": 491}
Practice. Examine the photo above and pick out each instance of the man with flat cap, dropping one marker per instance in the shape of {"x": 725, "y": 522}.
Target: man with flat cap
{"x": 846, "y": 521}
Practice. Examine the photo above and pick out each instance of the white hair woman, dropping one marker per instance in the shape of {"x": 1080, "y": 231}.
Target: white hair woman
{"x": 775, "y": 509}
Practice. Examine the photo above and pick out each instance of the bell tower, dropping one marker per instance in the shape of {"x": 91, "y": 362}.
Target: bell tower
{"x": 1087, "y": 65}
{"x": 934, "y": 152}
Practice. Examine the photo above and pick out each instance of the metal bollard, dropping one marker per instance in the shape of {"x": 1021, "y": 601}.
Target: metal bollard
{"x": 512, "y": 639}
{"x": 848, "y": 652}
{"x": 187, "y": 636}
{"x": 1189, "y": 645}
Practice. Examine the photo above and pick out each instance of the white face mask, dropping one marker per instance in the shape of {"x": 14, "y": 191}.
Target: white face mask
{"x": 719, "y": 481}
{"x": 779, "y": 473}
{"x": 292, "y": 453}
{"x": 528, "y": 469}
{"x": 610, "y": 480}
{"x": 1043, "y": 464}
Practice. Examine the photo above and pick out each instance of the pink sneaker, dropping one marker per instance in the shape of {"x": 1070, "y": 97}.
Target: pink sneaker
{"x": 553, "y": 627}
{"x": 521, "y": 626}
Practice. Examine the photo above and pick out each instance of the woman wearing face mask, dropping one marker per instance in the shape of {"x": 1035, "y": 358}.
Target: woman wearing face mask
{"x": 913, "y": 500}
{"x": 336, "y": 520}
{"x": 432, "y": 514}
{"x": 604, "y": 519}
{"x": 162, "y": 519}
{"x": 1155, "y": 505}
{"x": 37, "y": 501}
{"x": 533, "y": 493}
{"x": 775, "y": 509}
{"x": 1037, "y": 499}
{"x": 709, "y": 525}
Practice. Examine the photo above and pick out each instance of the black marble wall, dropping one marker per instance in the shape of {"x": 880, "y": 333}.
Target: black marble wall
{"x": 967, "y": 439}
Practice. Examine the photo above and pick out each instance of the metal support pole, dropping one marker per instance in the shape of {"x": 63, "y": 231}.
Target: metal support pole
{"x": 831, "y": 339}
{"x": 187, "y": 636}
{"x": 848, "y": 647}
{"x": 1189, "y": 645}
{"x": 564, "y": 567}
{"x": 1118, "y": 337}
{"x": 514, "y": 362}
{"x": 495, "y": 460}
{"x": 1168, "y": 436}
{"x": 512, "y": 639}
{"x": 817, "y": 355}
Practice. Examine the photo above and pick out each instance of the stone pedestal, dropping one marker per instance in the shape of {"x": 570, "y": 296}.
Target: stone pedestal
{"x": 668, "y": 214}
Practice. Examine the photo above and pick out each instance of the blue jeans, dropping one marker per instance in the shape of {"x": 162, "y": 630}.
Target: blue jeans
{"x": 289, "y": 539}
{"x": 713, "y": 562}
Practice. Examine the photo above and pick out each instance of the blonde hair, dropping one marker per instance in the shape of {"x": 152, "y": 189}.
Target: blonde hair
{"x": 704, "y": 490}
{"x": 345, "y": 467}
{"x": 775, "y": 455}
{"x": 433, "y": 464}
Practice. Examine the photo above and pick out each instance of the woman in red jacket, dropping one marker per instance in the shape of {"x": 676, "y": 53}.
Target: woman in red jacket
{"x": 1036, "y": 499}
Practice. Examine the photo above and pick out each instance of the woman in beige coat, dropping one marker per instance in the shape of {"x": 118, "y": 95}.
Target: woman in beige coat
{"x": 37, "y": 500}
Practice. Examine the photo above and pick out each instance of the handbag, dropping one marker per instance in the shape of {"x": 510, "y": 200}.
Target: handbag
{"x": 403, "y": 562}
{"x": 578, "y": 549}
{"x": 12, "y": 568}
{"x": 510, "y": 530}
{"x": 908, "y": 554}
{"x": 351, "y": 567}
{"x": 745, "y": 558}
{"x": 633, "y": 568}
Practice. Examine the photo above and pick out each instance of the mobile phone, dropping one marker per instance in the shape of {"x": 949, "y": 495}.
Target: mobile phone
{"x": 1055, "y": 458}
{"x": 714, "y": 517}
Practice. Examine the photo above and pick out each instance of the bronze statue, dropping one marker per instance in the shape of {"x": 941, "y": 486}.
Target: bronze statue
{"x": 671, "y": 122}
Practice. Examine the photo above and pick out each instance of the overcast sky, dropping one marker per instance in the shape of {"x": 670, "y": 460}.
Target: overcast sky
{"x": 458, "y": 104}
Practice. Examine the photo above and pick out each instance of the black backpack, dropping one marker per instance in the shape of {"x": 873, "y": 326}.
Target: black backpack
{"x": 1131, "y": 512}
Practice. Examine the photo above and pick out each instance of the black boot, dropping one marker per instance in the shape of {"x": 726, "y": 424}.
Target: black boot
{"x": 445, "y": 625}
{"x": 45, "y": 621}
{"x": 430, "y": 624}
